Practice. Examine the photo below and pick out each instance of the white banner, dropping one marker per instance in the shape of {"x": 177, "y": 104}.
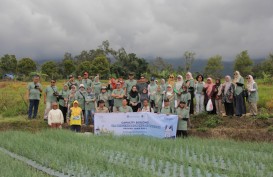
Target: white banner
{"x": 136, "y": 123}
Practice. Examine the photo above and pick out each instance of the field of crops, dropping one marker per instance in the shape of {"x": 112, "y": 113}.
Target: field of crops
{"x": 89, "y": 155}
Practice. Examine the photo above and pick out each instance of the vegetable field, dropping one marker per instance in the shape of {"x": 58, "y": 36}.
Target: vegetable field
{"x": 88, "y": 155}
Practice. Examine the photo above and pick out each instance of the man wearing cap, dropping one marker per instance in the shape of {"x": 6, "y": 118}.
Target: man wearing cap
{"x": 50, "y": 96}
{"x": 71, "y": 82}
{"x": 183, "y": 113}
{"x": 76, "y": 117}
{"x": 86, "y": 81}
{"x": 118, "y": 95}
{"x": 101, "y": 108}
{"x": 104, "y": 95}
{"x": 55, "y": 117}
{"x": 34, "y": 90}
{"x": 167, "y": 108}
{"x": 80, "y": 96}
{"x": 152, "y": 87}
{"x": 129, "y": 83}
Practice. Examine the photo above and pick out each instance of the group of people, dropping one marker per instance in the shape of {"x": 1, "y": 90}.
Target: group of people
{"x": 80, "y": 99}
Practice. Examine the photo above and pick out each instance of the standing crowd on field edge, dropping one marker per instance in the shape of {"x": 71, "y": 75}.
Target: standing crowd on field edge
{"x": 78, "y": 100}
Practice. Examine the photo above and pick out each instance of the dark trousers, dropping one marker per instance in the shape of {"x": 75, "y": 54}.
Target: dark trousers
{"x": 191, "y": 105}
{"x": 75, "y": 128}
{"x": 64, "y": 111}
{"x": 135, "y": 108}
{"x": 182, "y": 133}
{"x": 229, "y": 108}
{"x": 33, "y": 106}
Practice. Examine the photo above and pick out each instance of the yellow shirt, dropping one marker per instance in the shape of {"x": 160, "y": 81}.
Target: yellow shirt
{"x": 76, "y": 116}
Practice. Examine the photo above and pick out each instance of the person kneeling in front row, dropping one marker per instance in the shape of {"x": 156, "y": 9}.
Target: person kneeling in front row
{"x": 75, "y": 117}
{"x": 183, "y": 113}
{"x": 55, "y": 117}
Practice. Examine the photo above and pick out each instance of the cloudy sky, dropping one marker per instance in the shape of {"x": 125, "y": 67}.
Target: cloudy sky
{"x": 46, "y": 29}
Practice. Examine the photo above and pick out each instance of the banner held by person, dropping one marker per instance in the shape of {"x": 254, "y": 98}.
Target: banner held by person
{"x": 136, "y": 123}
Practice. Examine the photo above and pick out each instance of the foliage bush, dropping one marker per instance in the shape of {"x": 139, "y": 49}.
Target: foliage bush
{"x": 212, "y": 121}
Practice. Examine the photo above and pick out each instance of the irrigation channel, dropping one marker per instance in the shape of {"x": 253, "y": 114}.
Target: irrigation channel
{"x": 35, "y": 165}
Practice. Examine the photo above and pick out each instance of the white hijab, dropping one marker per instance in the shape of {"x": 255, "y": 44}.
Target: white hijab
{"x": 237, "y": 76}
{"x": 178, "y": 84}
{"x": 227, "y": 84}
{"x": 250, "y": 82}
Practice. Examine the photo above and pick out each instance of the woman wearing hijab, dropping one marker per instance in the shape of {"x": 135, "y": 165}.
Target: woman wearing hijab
{"x": 163, "y": 86}
{"x": 171, "y": 96}
{"x": 199, "y": 94}
{"x": 240, "y": 107}
{"x": 253, "y": 97}
{"x": 177, "y": 86}
{"x": 227, "y": 96}
{"x": 190, "y": 84}
{"x": 218, "y": 97}
{"x": 143, "y": 96}
{"x": 63, "y": 103}
{"x": 134, "y": 99}
{"x": 209, "y": 94}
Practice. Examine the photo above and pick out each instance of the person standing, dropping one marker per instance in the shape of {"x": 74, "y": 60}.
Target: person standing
{"x": 118, "y": 95}
{"x": 199, "y": 94}
{"x": 227, "y": 96}
{"x": 177, "y": 86}
{"x": 171, "y": 97}
{"x": 79, "y": 81}
{"x": 63, "y": 103}
{"x": 50, "y": 96}
{"x": 55, "y": 117}
{"x": 141, "y": 84}
{"x": 71, "y": 82}
{"x": 96, "y": 86}
{"x": 218, "y": 98}
{"x": 185, "y": 96}
{"x": 80, "y": 96}
{"x": 253, "y": 97}
{"x": 105, "y": 96}
{"x": 240, "y": 107}
{"x": 158, "y": 100}
{"x": 90, "y": 105}
{"x": 166, "y": 108}
{"x": 34, "y": 91}
{"x": 143, "y": 96}
{"x": 190, "y": 84}
{"x": 86, "y": 81}
{"x": 163, "y": 86}
{"x": 151, "y": 92}
{"x": 129, "y": 84}
{"x": 134, "y": 99}
{"x": 183, "y": 118}
{"x": 209, "y": 94}
{"x": 76, "y": 118}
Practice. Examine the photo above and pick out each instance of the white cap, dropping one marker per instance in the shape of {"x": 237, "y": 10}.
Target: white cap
{"x": 81, "y": 85}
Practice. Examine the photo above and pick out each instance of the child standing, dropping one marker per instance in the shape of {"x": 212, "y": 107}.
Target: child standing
{"x": 55, "y": 117}
{"x": 75, "y": 117}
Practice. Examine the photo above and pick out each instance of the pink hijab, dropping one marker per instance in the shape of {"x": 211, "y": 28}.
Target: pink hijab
{"x": 209, "y": 86}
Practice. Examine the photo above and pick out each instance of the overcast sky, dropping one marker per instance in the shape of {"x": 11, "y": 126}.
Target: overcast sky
{"x": 46, "y": 29}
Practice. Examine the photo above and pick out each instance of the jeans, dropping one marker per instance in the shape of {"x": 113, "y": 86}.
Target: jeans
{"x": 33, "y": 104}
{"x": 87, "y": 114}
{"x": 199, "y": 103}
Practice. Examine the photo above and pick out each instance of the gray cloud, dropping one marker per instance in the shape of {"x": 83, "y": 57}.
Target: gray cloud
{"x": 49, "y": 28}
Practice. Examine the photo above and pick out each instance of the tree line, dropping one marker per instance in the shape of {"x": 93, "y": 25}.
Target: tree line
{"x": 108, "y": 62}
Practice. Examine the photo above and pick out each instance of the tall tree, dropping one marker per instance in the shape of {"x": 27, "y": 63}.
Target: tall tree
{"x": 243, "y": 63}
{"x": 50, "y": 68}
{"x": 214, "y": 67}
{"x": 84, "y": 66}
{"x": 100, "y": 65}
{"x": 26, "y": 66}
{"x": 189, "y": 59}
{"x": 8, "y": 63}
{"x": 68, "y": 67}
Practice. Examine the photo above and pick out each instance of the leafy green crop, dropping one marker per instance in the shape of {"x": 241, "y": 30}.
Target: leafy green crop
{"x": 88, "y": 155}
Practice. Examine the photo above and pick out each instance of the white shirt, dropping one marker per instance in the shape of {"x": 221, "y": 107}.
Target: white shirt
{"x": 55, "y": 116}
{"x": 147, "y": 109}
